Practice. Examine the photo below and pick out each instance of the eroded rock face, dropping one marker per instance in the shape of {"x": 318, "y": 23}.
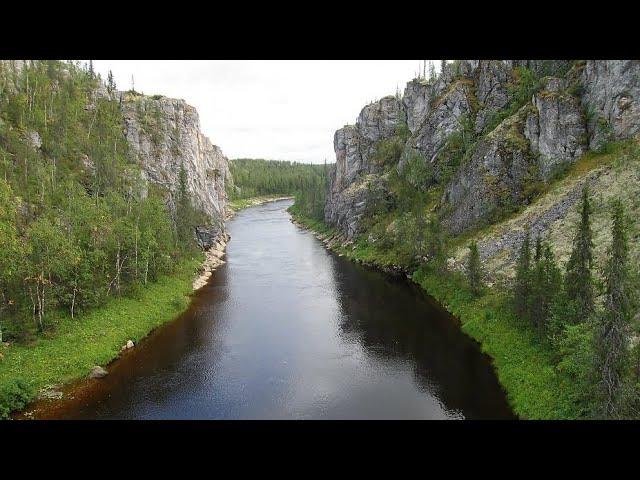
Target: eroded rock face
{"x": 443, "y": 118}
{"x": 556, "y": 129}
{"x": 611, "y": 99}
{"x": 355, "y": 146}
{"x": 164, "y": 134}
{"x": 493, "y": 178}
{"x": 576, "y": 106}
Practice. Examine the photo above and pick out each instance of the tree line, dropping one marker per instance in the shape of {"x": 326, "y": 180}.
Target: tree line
{"x": 306, "y": 181}
{"x": 77, "y": 222}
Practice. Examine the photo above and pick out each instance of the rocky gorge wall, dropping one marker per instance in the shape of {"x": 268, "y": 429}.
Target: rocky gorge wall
{"x": 576, "y": 107}
{"x": 165, "y": 135}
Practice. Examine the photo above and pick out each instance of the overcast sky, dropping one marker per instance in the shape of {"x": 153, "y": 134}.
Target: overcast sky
{"x": 284, "y": 110}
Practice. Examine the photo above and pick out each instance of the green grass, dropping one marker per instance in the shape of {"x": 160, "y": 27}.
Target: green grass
{"x": 523, "y": 362}
{"x": 92, "y": 339}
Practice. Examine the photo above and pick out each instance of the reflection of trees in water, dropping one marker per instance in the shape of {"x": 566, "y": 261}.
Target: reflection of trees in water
{"x": 393, "y": 320}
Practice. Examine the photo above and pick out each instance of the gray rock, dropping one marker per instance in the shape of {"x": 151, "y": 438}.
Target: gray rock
{"x": 556, "y": 128}
{"x": 355, "y": 146}
{"x": 98, "y": 372}
{"x": 580, "y": 105}
{"x": 611, "y": 99}
{"x": 164, "y": 134}
{"x": 493, "y": 179}
{"x": 33, "y": 139}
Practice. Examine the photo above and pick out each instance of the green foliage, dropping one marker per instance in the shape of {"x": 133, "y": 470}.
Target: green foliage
{"x": 524, "y": 364}
{"x": 310, "y": 199}
{"x": 522, "y": 284}
{"x": 458, "y": 148}
{"x": 258, "y": 177}
{"x": 575, "y": 351}
{"x": 546, "y": 282}
{"x": 417, "y": 171}
{"x": 520, "y": 93}
{"x": 578, "y": 279}
{"x": 75, "y": 225}
{"x": 95, "y": 339}
{"x": 14, "y": 395}
{"x": 389, "y": 150}
{"x": 474, "y": 269}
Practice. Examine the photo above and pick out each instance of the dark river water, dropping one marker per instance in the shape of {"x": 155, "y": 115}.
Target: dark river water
{"x": 287, "y": 330}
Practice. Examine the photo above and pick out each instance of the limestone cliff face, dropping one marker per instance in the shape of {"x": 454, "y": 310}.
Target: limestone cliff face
{"x": 164, "y": 135}
{"x": 576, "y": 106}
{"x": 356, "y": 173}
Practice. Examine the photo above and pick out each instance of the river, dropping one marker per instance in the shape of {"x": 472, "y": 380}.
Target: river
{"x": 288, "y": 330}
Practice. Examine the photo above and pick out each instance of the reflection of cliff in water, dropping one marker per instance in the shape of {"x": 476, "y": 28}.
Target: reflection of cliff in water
{"x": 393, "y": 320}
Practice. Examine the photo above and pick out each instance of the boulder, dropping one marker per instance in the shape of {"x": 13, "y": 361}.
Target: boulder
{"x": 98, "y": 372}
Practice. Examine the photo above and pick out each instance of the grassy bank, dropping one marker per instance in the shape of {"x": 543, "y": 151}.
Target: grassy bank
{"x": 243, "y": 203}
{"x": 524, "y": 365}
{"x": 70, "y": 351}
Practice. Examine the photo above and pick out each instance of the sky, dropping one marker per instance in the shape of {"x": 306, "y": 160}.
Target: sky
{"x": 284, "y": 110}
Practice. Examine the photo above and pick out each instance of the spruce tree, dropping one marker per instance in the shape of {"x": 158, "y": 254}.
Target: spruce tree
{"x": 474, "y": 269}
{"x": 523, "y": 278}
{"x": 578, "y": 280}
{"x": 613, "y": 323}
{"x": 184, "y": 210}
{"x": 546, "y": 282}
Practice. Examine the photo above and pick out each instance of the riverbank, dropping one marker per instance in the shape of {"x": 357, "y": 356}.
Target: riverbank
{"x": 524, "y": 366}
{"x": 96, "y": 338}
{"x": 241, "y": 204}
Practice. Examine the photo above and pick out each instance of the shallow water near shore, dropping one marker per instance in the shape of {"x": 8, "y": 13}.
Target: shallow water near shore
{"x": 287, "y": 330}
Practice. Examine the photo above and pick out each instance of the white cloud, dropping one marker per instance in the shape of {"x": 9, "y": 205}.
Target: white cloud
{"x": 285, "y": 110}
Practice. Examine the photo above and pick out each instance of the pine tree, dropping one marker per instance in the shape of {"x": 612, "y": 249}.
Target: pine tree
{"x": 545, "y": 283}
{"x": 111, "y": 84}
{"x": 613, "y": 325}
{"x": 432, "y": 71}
{"x": 443, "y": 66}
{"x": 578, "y": 280}
{"x": 474, "y": 269}
{"x": 523, "y": 278}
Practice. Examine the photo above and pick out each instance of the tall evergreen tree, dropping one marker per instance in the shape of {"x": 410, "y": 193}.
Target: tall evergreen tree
{"x": 184, "y": 210}
{"x": 545, "y": 283}
{"x": 578, "y": 280}
{"x": 474, "y": 269}
{"x": 523, "y": 277}
{"x": 613, "y": 324}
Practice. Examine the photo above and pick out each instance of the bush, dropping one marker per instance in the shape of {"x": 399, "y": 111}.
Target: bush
{"x": 14, "y": 396}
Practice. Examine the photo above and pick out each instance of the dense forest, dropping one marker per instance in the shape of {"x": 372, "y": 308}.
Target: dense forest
{"x": 77, "y": 224}
{"x": 258, "y": 177}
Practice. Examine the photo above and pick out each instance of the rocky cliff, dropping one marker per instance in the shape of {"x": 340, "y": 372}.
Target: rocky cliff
{"x": 164, "y": 136}
{"x": 490, "y": 134}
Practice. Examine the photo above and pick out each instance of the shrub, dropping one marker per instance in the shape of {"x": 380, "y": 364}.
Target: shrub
{"x": 14, "y": 396}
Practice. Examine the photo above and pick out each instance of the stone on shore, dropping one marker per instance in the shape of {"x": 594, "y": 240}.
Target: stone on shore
{"x": 98, "y": 372}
